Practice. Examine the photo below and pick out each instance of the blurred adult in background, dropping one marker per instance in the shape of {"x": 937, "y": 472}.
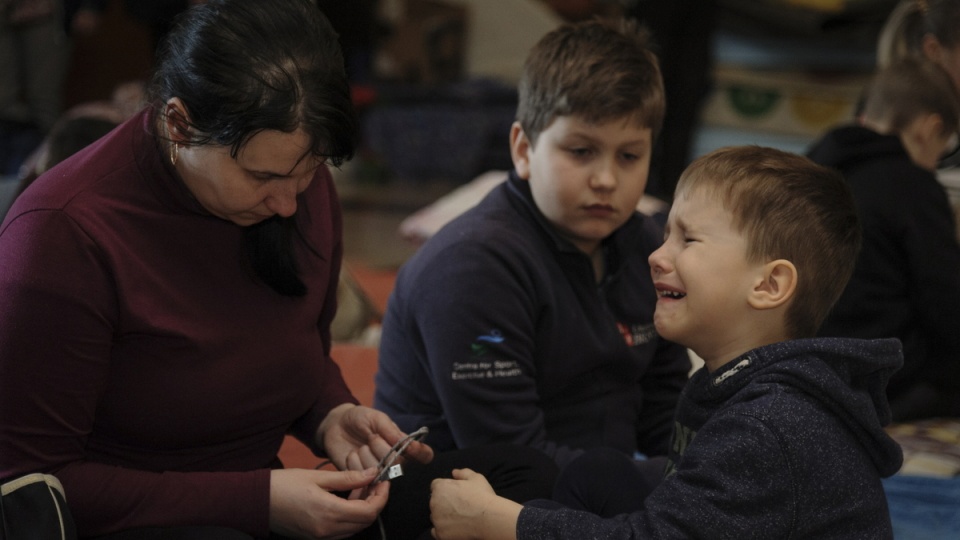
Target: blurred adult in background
{"x": 35, "y": 51}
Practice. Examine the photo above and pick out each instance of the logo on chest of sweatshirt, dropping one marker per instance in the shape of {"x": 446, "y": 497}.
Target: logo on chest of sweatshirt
{"x": 481, "y": 345}
{"x": 637, "y": 334}
{"x": 482, "y": 366}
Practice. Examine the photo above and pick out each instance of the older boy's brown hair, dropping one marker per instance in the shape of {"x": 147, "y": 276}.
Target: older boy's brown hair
{"x": 599, "y": 70}
{"x": 908, "y": 89}
{"x": 787, "y": 207}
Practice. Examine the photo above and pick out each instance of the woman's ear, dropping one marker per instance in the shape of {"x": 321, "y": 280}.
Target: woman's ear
{"x": 520, "y": 150}
{"x": 176, "y": 121}
{"x": 775, "y": 286}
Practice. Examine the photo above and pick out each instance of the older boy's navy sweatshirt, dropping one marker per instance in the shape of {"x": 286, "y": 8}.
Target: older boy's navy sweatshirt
{"x": 785, "y": 441}
{"x": 497, "y": 331}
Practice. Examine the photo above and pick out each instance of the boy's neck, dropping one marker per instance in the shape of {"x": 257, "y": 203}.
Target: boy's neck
{"x": 917, "y": 139}
{"x": 755, "y": 334}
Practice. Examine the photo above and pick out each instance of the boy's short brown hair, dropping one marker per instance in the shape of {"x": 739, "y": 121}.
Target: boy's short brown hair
{"x": 787, "y": 207}
{"x": 908, "y": 89}
{"x": 599, "y": 70}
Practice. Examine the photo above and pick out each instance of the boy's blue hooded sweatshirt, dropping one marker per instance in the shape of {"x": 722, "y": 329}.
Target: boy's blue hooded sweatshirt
{"x": 785, "y": 441}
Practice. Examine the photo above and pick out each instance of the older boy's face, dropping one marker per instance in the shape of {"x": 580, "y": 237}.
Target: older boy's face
{"x": 585, "y": 178}
{"x": 703, "y": 278}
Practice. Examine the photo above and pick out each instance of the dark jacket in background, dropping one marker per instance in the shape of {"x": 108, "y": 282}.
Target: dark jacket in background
{"x": 907, "y": 280}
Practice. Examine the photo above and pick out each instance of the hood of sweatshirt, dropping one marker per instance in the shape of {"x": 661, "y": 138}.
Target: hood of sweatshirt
{"x": 848, "y": 376}
{"x": 845, "y": 147}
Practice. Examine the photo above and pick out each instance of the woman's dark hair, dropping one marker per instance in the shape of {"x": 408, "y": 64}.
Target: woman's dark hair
{"x": 244, "y": 66}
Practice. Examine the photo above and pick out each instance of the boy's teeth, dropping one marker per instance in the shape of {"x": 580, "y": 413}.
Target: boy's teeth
{"x": 672, "y": 294}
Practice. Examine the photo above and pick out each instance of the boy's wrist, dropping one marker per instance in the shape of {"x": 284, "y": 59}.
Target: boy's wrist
{"x": 499, "y": 519}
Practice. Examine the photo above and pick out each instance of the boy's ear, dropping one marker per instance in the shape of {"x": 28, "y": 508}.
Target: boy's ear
{"x": 930, "y": 128}
{"x": 925, "y": 139}
{"x": 775, "y": 286}
{"x": 520, "y": 151}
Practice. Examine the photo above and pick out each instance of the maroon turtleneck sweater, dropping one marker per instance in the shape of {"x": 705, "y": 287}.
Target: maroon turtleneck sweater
{"x": 140, "y": 360}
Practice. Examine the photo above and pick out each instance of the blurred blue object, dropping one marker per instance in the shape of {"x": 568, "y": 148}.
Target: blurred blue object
{"x": 923, "y": 507}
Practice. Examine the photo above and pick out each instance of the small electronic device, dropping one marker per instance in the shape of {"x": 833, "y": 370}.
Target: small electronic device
{"x": 388, "y": 468}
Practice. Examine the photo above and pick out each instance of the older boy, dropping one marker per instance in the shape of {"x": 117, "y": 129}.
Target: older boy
{"x": 780, "y": 435}
{"x": 907, "y": 280}
{"x": 529, "y": 319}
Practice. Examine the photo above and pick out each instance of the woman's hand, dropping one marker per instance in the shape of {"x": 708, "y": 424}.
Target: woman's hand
{"x": 466, "y": 507}
{"x": 302, "y": 505}
{"x": 357, "y": 437}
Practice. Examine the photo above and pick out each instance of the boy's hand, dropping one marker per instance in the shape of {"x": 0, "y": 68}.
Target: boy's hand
{"x": 466, "y": 507}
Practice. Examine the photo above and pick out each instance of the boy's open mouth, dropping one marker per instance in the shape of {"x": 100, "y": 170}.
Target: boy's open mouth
{"x": 670, "y": 294}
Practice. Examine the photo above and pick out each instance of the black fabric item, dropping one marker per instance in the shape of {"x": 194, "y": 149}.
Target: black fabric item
{"x": 519, "y": 473}
{"x": 33, "y": 507}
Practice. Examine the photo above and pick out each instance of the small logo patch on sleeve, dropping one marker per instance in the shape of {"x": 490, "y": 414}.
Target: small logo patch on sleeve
{"x": 480, "y": 367}
{"x": 637, "y": 334}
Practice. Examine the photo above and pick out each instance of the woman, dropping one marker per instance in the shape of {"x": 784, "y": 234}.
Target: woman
{"x": 166, "y": 296}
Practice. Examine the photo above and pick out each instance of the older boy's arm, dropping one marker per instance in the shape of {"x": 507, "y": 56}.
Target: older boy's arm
{"x": 661, "y": 385}
{"x": 480, "y": 346}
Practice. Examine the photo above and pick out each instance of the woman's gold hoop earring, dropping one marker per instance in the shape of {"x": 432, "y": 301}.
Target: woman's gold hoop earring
{"x": 174, "y": 153}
